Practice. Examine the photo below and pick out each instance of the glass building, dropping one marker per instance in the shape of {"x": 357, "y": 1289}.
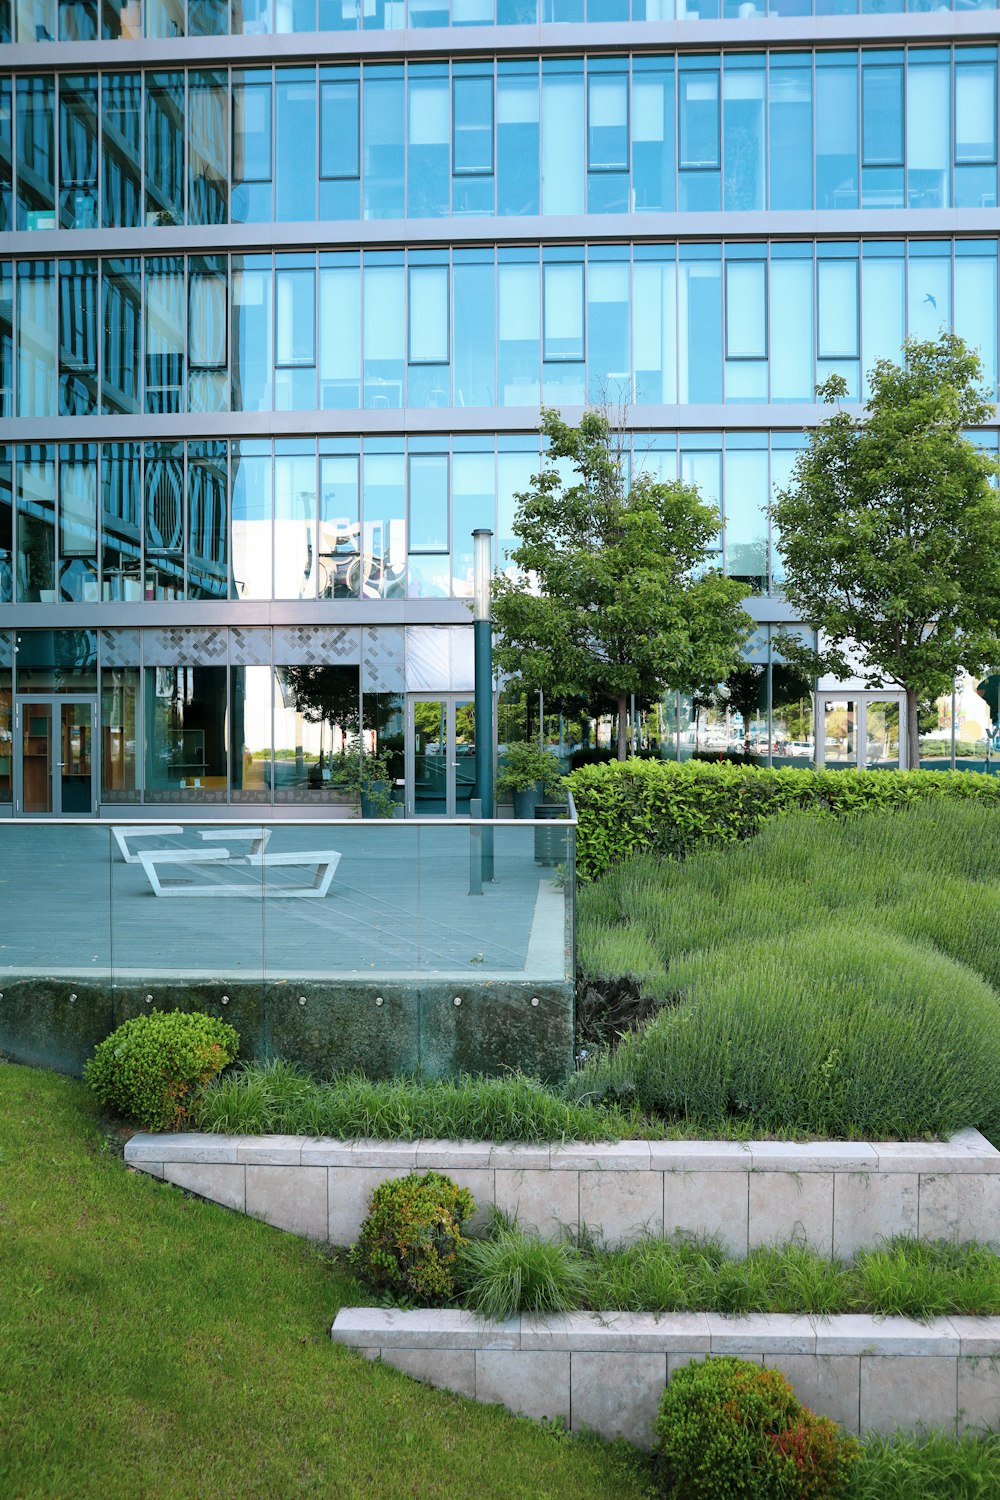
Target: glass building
{"x": 277, "y": 317}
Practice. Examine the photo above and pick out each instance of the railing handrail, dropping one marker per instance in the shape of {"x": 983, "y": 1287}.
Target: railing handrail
{"x": 176, "y": 816}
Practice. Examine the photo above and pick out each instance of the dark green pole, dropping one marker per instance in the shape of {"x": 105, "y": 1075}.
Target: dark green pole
{"x": 482, "y": 612}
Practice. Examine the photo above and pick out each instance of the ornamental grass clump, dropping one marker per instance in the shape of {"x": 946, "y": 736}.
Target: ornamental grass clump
{"x": 409, "y": 1243}
{"x": 513, "y": 1272}
{"x": 727, "y": 1428}
{"x": 149, "y": 1068}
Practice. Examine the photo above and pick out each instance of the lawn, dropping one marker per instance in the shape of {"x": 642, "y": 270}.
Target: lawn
{"x": 152, "y": 1345}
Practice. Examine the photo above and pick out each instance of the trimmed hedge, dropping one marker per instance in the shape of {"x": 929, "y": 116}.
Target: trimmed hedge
{"x": 670, "y": 809}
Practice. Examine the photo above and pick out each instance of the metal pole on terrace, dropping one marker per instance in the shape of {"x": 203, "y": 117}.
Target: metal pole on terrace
{"x": 482, "y": 539}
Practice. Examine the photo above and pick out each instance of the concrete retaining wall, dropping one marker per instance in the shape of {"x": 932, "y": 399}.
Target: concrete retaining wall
{"x": 607, "y": 1371}
{"x": 838, "y": 1196}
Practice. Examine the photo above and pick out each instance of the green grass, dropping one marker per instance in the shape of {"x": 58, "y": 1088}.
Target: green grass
{"x": 154, "y": 1345}
{"x": 935, "y": 1468}
{"x": 279, "y": 1099}
{"x": 511, "y": 1271}
{"x": 836, "y": 977}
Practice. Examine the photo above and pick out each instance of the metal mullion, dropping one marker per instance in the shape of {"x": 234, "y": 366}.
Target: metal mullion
{"x": 317, "y": 147}
{"x": 812, "y": 118}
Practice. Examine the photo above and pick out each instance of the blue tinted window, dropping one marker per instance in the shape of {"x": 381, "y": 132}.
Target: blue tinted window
{"x": 295, "y": 145}
{"x": 791, "y": 136}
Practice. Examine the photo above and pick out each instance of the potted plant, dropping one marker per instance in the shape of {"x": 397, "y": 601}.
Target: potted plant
{"x": 369, "y": 776}
{"x": 528, "y": 773}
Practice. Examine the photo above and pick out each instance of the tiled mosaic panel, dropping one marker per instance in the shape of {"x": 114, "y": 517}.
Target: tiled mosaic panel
{"x": 383, "y": 653}
{"x": 120, "y": 648}
{"x": 249, "y": 648}
{"x": 185, "y": 646}
{"x": 317, "y": 646}
{"x": 6, "y": 649}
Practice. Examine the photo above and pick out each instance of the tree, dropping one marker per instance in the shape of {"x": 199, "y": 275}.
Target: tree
{"x": 890, "y": 530}
{"x": 613, "y": 597}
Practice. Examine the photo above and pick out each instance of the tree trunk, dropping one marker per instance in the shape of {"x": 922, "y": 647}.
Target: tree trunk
{"x": 912, "y": 731}
{"x": 623, "y": 726}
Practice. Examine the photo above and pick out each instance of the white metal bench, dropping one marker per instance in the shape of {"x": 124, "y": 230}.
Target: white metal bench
{"x": 141, "y": 830}
{"x": 325, "y": 862}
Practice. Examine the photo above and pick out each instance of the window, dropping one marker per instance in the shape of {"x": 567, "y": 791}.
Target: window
{"x": 699, "y": 121}
{"x": 252, "y": 132}
{"x": 165, "y": 148}
{"x": 208, "y": 164}
{"x": 295, "y": 337}
{"x": 743, "y": 125}
{"x": 340, "y": 134}
{"x": 837, "y": 299}
{"x": 607, "y": 123}
{"x": 472, "y": 104}
{"x": 428, "y": 320}
{"x": 77, "y": 338}
{"x": 78, "y": 153}
{"x": 975, "y": 112}
{"x": 563, "y": 313}
{"x": 882, "y": 116}
{"x": 121, "y": 148}
{"x": 428, "y": 502}
{"x": 746, "y": 310}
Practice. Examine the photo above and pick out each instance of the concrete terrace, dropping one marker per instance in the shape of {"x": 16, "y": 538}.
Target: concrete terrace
{"x": 399, "y": 907}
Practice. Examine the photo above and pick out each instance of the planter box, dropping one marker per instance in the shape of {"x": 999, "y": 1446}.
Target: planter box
{"x": 607, "y": 1371}
{"x": 839, "y": 1197}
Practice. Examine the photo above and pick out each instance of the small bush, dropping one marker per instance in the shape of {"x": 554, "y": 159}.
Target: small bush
{"x": 148, "y": 1069}
{"x": 409, "y": 1243}
{"x": 515, "y": 1272}
{"x": 728, "y": 1428}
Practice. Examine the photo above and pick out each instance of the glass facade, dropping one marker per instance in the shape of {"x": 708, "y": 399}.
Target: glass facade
{"x": 875, "y": 128}
{"x": 276, "y": 325}
{"x": 85, "y": 20}
{"x": 652, "y": 324}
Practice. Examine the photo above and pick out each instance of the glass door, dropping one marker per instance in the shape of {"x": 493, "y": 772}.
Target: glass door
{"x": 440, "y": 755}
{"x": 56, "y": 771}
{"x": 839, "y": 728}
{"x": 865, "y": 731}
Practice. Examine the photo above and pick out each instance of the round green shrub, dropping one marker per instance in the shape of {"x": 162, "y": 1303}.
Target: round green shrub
{"x": 409, "y": 1243}
{"x": 842, "y": 1029}
{"x": 730, "y": 1430}
{"x": 149, "y": 1068}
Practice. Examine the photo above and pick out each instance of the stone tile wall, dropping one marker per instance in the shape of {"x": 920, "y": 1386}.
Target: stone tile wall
{"x": 837, "y": 1196}
{"x": 607, "y": 1371}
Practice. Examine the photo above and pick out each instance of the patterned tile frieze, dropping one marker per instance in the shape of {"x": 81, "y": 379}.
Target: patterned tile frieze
{"x": 6, "y": 649}
{"x": 249, "y": 648}
{"x": 120, "y": 648}
{"x": 383, "y": 656}
{"x": 317, "y": 646}
{"x": 185, "y": 646}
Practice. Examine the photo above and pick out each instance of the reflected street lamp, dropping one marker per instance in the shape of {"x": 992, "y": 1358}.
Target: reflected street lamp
{"x": 482, "y": 539}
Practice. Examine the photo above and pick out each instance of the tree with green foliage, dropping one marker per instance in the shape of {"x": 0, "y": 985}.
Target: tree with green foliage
{"x": 890, "y": 530}
{"x": 613, "y": 596}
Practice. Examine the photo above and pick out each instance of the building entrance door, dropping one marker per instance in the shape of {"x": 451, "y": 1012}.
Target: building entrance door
{"x": 55, "y": 768}
{"x": 440, "y": 755}
{"x": 862, "y": 730}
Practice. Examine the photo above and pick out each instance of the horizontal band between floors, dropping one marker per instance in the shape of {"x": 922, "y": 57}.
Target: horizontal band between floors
{"x": 149, "y": 614}
{"x": 401, "y": 421}
{"x": 491, "y": 229}
{"x": 757, "y": 32}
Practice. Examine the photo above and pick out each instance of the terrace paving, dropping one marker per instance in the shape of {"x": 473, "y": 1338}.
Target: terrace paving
{"x": 399, "y": 907}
